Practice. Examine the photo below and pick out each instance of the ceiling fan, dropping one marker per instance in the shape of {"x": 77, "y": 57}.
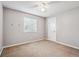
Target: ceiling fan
{"x": 43, "y": 5}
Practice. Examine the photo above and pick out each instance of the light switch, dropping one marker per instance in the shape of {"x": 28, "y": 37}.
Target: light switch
{"x": 11, "y": 24}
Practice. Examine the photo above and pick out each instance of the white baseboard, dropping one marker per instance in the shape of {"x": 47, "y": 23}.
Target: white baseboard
{"x": 1, "y": 49}
{"x": 66, "y": 44}
{"x": 22, "y": 43}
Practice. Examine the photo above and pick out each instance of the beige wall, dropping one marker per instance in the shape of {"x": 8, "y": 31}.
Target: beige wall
{"x": 1, "y": 26}
{"x": 14, "y": 34}
{"x": 68, "y": 27}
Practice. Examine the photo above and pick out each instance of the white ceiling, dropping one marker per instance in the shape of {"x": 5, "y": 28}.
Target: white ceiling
{"x": 55, "y": 7}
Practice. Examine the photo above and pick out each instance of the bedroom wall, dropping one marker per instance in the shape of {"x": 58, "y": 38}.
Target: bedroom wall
{"x": 67, "y": 25}
{"x": 14, "y": 28}
{"x": 1, "y": 27}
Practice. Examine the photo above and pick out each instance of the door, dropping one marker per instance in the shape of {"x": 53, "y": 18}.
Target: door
{"x": 52, "y": 28}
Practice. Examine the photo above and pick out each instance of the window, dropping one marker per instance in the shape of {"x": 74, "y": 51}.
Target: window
{"x": 30, "y": 25}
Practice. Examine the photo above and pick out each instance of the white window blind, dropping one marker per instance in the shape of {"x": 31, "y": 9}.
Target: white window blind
{"x": 30, "y": 25}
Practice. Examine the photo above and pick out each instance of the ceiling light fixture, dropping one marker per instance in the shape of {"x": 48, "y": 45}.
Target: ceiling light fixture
{"x": 43, "y": 9}
{"x": 43, "y": 6}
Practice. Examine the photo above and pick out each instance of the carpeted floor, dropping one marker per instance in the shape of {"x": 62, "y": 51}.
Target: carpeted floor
{"x": 43, "y": 48}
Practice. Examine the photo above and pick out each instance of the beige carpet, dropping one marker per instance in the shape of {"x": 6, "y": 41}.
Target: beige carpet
{"x": 43, "y": 48}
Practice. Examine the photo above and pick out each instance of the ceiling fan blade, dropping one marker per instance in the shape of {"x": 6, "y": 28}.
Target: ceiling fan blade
{"x": 52, "y": 2}
{"x": 48, "y": 2}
